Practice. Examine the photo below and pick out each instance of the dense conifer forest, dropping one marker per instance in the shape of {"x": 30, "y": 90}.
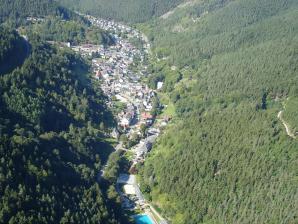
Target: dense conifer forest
{"x": 17, "y": 10}
{"x": 228, "y": 67}
{"x": 52, "y": 141}
{"x": 124, "y": 10}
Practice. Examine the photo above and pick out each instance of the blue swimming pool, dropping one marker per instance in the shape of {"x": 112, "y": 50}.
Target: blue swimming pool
{"x": 143, "y": 219}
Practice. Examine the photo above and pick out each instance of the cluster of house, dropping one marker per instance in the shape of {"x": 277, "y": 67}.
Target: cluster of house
{"x": 119, "y": 28}
{"x": 138, "y": 110}
{"x": 112, "y": 26}
{"x": 34, "y": 19}
{"x": 144, "y": 147}
{"x": 89, "y": 49}
{"x": 112, "y": 64}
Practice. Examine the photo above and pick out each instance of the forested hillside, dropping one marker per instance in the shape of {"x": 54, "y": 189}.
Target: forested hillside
{"x": 124, "y": 10}
{"x": 17, "y": 10}
{"x": 52, "y": 121}
{"x": 228, "y": 67}
{"x": 75, "y": 32}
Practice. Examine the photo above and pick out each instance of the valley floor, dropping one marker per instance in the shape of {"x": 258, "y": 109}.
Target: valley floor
{"x": 112, "y": 67}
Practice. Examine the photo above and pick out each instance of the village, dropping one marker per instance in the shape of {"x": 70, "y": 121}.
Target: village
{"x": 112, "y": 66}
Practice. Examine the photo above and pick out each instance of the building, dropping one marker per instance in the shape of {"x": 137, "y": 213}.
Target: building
{"x": 126, "y": 179}
{"x": 159, "y": 85}
{"x": 98, "y": 75}
{"x": 129, "y": 189}
{"x": 146, "y": 116}
{"x": 125, "y": 122}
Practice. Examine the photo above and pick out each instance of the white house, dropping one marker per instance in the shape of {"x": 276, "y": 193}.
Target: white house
{"x": 159, "y": 85}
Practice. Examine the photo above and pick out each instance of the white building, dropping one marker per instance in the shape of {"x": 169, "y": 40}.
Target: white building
{"x": 125, "y": 122}
{"x": 159, "y": 85}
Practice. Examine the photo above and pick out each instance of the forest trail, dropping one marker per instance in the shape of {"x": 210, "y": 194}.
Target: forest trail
{"x": 288, "y": 130}
{"x": 162, "y": 220}
{"x": 182, "y": 5}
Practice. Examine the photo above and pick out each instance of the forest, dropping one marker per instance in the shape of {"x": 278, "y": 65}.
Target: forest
{"x": 59, "y": 24}
{"x": 53, "y": 121}
{"x": 229, "y": 68}
{"x": 131, "y": 11}
{"x": 75, "y": 32}
{"x": 17, "y": 10}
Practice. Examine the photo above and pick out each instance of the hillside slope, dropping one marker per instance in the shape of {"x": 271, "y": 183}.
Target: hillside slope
{"x": 228, "y": 66}
{"x": 51, "y": 142}
{"x": 75, "y": 32}
{"x": 125, "y": 10}
{"x": 17, "y": 10}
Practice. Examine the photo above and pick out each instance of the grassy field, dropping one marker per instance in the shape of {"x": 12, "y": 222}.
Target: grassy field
{"x": 169, "y": 109}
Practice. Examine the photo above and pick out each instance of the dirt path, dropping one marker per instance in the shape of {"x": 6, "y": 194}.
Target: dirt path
{"x": 162, "y": 220}
{"x": 182, "y": 5}
{"x": 288, "y": 130}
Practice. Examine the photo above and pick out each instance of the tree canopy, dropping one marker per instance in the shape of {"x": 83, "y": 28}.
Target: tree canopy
{"x": 125, "y": 10}
{"x": 20, "y": 9}
{"x": 51, "y": 143}
{"x": 228, "y": 66}
{"x": 75, "y": 32}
